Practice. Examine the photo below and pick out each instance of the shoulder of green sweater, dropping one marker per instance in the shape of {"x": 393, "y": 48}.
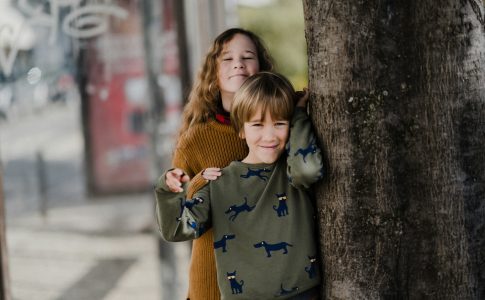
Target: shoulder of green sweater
{"x": 299, "y": 114}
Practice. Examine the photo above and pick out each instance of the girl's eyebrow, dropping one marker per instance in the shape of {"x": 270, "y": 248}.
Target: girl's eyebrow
{"x": 245, "y": 51}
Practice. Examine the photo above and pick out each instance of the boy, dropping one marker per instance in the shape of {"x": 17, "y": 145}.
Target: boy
{"x": 259, "y": 208}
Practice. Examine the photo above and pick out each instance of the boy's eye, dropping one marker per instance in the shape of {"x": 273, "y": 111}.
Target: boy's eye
{"x": 282, "y": 123}
{"x": 248, "y": 57}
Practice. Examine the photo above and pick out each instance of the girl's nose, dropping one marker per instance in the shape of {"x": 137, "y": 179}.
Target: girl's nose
{"x": 238, "y": 63}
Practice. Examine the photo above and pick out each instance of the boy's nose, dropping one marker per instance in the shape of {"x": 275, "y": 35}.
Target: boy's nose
{"x": 268, "y": 134}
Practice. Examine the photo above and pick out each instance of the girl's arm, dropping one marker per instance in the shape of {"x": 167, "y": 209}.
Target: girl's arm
{"x": 198, "y": 180}
{"x": 305, "y": 164}
{"x": 181, "y": 219}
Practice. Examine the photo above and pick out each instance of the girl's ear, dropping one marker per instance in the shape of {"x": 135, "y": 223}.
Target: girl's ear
{"x": 241, "y": 134}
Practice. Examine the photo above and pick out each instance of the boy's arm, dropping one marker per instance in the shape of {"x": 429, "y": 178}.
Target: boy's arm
{"x": 305, "y": 164}
{"x": 181, "y": 219}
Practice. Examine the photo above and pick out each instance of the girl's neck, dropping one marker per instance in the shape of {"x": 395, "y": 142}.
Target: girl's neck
{"x": 226, "y": 99}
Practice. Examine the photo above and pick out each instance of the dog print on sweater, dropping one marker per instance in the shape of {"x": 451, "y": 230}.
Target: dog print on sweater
{"x": 237, "y": 209}
{"x": 257, "y": 173}
{"x": 312, "y": 268}
{"x": 222, "y": 242}
{"x": 310, "y": 149}
{"x": 192, "y": 202}
{"x": 273, "y": 247}
{"x": 236, "y": 287}
{"x": 282, "y": 208}
{"x": 186, "y": 203}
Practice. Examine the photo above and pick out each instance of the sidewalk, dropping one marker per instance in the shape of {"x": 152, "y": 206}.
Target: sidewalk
{"x": 103, "y": 249}
{"x": 84, "y": 249}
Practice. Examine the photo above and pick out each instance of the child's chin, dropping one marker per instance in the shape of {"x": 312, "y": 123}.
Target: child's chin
{"x": 269, "y": 161}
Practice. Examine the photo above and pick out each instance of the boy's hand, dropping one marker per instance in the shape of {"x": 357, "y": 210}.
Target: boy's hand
{"x": 302, "y": 98}
{"x": 211, "y": 173}
{"x": 174, "y": 179}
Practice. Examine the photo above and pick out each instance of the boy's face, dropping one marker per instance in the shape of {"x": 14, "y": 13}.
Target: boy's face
{"x": 266, "y": 138}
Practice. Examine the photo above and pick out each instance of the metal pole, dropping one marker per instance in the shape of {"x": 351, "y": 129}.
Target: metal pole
{"x": 4, "y": 274}
{"x": 42, "y": 184}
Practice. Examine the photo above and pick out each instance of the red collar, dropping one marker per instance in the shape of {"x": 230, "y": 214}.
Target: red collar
{"x": 223, "y": 119}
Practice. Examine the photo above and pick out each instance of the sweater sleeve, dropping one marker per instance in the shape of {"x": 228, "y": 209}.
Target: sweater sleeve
{"x": 179, "y": 160}
{"x": 181, "y": 219}
{"x": 305, "y": 164}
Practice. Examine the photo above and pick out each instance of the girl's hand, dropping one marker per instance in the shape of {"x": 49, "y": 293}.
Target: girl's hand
{"x": 174, "y": 179}
{"x": 211, "y": 173}
{"x": 302, "y": 98}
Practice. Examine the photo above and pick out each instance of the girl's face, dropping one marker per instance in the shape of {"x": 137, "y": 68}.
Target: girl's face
{"x": 237, "y": 61}
{"x": 266, "y": 138}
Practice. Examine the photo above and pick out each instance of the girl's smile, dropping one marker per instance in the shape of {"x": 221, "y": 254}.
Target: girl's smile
{"x": 237, "y": 62}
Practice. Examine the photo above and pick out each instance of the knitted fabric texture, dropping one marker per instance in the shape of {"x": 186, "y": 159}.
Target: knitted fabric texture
{"x": 206, "y": 145}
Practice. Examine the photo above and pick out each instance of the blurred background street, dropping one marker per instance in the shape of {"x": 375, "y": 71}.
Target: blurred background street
{"x": 64, "y": 245}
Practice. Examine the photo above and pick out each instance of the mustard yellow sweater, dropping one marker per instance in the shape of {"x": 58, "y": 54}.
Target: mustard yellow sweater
{"x": 206, "y": 145}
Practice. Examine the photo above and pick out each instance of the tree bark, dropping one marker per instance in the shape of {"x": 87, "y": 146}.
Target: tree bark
{"x": 398, "y": 102}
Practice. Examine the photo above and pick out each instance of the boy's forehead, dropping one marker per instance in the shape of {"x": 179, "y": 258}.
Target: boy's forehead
{"x": 258, "y": 115}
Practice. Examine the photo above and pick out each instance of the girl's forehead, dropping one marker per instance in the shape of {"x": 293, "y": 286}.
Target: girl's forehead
{"x": 239, "y": 41}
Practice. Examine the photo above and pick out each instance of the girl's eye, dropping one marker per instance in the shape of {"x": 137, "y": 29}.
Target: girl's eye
{"x": 227, "y": 59}
{"x": 248, "y": 57}
{"x": 281, "y": 124}
{"x": 257, "y": 124}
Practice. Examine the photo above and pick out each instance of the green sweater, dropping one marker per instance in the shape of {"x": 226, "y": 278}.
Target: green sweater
{"x": 262, "y": 218}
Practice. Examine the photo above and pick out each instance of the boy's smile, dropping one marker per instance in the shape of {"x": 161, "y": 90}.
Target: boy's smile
{"x": 266, "y": 138}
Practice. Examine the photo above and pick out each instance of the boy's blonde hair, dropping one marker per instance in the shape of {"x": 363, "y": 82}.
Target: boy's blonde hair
{"x": 204, "y": 97}
{"x": 266, "y": 90}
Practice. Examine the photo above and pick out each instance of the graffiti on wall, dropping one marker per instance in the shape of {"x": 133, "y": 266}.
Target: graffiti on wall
{"x": 81, "y": 22}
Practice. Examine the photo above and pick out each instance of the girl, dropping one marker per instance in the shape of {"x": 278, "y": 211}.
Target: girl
{"x": 207, "y": 141}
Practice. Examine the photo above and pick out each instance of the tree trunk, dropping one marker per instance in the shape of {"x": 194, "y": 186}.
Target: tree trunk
{"x": 398, "y": 102}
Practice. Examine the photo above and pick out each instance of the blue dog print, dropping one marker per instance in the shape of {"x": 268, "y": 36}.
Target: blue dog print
{"x": 257, "y": 173}
{"x": 284, "y": 292}
{"x": 222, "y": 242}
{"x": 237, "y": 209}
{"x": 188, "y": 204}
{"x": 192, "y": 202}
{"x": 282, "y": 208}
{"x": 194, "y": 226}
{"x": 236, "y": 287}
{"x": 312, "y": 268}
{"x": 312, "y": 148}
{"x": 273, "y": 247}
